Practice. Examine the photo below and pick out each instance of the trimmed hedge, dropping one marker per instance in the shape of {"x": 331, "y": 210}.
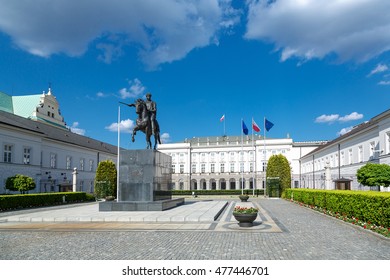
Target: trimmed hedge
{"x": 19, "y": 201}
{"x": 368, "y": 206}
{"x": 216, "y": 192}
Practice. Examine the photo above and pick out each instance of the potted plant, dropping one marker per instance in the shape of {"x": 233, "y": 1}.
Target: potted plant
{"x": 243, "y": 197}
{"x": 245, "y": 215}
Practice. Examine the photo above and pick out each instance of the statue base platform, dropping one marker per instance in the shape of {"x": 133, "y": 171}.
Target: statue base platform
{"x": 145, "y": 182}
{"x": 159, "y": 205}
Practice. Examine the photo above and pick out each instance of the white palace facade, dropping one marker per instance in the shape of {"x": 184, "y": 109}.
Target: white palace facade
{"x": 218, "y": 163}
{"x": 35, "y": 142}
{"x": 338, "y": 160}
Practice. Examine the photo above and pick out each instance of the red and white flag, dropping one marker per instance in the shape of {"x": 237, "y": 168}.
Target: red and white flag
{"x": 255, "y": 126}
{"x": 222, "y": 118}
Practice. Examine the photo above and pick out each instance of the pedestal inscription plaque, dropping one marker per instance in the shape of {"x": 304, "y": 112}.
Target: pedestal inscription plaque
{"x": 144, "y": 175}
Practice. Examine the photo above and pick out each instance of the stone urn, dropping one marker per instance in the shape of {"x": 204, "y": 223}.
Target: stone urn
{"x": 245, "y": 219}
{"x": 243, "y": 197}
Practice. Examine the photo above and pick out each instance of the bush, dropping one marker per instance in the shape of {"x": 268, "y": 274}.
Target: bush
{"x": 367, "y": 206}
{"x": 105, "y": 179}
{"x": 278, "y": 166}
{"x": 20, "y": 183}
{"x": 10, "y": 202}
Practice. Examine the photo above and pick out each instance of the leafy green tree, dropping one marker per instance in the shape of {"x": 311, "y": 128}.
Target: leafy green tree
{"x": 374, "y": 174}
{"x": 105, "y": 179}
{"x": 20, "y": 183}
{"x": 9, "y": 184}
{"x": 278, "y": 166}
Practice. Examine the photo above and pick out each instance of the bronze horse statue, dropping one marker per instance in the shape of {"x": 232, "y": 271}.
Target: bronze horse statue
{"x": 144, "y": 124}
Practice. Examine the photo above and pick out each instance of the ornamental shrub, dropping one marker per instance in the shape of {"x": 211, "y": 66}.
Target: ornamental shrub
{"x": 374, "y": 174}
{"x": 278, "y": 166}
{"x": 20, "y": 183}
{"x": 105, "y": 179}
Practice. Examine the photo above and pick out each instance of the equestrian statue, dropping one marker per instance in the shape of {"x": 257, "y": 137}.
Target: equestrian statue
{"x": 146, "y": 122}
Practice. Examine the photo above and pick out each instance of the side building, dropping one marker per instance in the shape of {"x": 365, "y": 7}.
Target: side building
{"x": 35, "y": 142}
{"x": 218, "y": 163}
{"x": 334, "y": 165}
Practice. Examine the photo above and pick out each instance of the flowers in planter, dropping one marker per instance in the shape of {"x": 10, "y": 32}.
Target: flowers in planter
{"x": 245, "y": 210}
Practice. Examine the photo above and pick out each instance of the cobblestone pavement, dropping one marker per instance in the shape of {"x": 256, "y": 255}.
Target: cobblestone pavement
{"x": 298, "y": 234}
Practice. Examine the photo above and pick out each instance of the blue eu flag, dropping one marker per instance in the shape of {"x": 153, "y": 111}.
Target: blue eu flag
{"x": 268, "y": 124}
{"x": 244, "y": 128}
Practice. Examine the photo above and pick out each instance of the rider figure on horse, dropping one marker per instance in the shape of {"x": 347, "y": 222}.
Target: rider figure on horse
{"x": 152, "y": 109}
{"x": 146, "y": 122}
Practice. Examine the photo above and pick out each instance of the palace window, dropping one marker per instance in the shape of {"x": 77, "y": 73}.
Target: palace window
{"x": 350, "y": 156}
{"x": 203, "y": 168}
{"x": 193, "y": 168}
{"x": 212, "y": 168}
{"x": 53, "y": 160}
{"x": 26, "y": 155}
{"x": 222, "y": 167}
{"x": 241, "y": 167}
{"x": 251, "y": 167}
{"x": 68, "y": 162}
{"x": 231, "y": 167}
{"x": 82, "y": 161}
{"x": 7, "y": 153}
{"x": 360, "y": 154}
{"x": 372, "y": 149}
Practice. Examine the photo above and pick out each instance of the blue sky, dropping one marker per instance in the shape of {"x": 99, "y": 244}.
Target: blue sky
{"x": 315, "y": 68}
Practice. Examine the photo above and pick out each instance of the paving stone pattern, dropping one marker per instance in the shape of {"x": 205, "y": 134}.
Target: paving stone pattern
{"x": 299, "y": 234}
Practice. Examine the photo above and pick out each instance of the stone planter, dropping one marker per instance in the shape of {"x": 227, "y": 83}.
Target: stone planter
{"x": 243, "y": 198}
{"x": 245, "y": 220}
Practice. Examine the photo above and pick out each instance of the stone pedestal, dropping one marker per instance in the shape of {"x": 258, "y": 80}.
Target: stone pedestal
{"x": 145, "y": 181}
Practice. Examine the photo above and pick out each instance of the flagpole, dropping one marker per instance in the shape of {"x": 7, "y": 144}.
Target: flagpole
{"x": 265, "y": 163}
{"x": 224, "y": 125}
{"x": 242, "y": 152}
{"x": 118, "y": 154}
{"x": 254, "y": 164}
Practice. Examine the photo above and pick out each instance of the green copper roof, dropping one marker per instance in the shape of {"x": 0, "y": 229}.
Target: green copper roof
{"x": 25, "y": 105}
{"x": 6, "y": 103}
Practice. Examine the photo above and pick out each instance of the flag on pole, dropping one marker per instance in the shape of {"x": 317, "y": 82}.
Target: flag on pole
{"x": 268, "y": 125}
{"x": 222, "y": 118}
{"x": 255, "y": 127}
{"x": 244, "y": 128}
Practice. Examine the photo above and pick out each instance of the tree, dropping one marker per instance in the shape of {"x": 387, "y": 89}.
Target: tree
{"x": 20, "y": 183}
{"x": 105, "y": 179}
{"x": 278, "y": 166}
{"x": 374, "y": 174}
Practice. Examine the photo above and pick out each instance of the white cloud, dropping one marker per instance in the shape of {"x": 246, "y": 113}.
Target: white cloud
{"x": 344, "y": 130}
{"x": 384, "y": 83}
{"x": 327, "y": 118}
{"x": 75, "y": 129}
{"x": 353, "y": 30}
{"x": 134, "y": 90}
{"x": 351, "y": 117}
{"x": 378, "y": 69}
{"x": 336, "y": 117}
{"x": 165, "y": 138}
{"x": 162, "y": 31}
{"x": 125, "y": 126}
